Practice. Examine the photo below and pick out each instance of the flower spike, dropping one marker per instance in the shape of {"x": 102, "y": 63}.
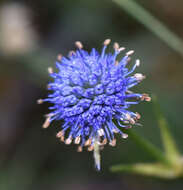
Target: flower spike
{"x": 90, "y": 93}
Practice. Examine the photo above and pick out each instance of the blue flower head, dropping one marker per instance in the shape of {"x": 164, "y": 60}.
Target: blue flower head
{"x": 90, "y": 94}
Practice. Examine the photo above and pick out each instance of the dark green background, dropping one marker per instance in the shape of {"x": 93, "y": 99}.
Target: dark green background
{"x": 31, "y": 157}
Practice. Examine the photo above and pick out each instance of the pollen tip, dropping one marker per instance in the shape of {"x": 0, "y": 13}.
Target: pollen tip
{"x": 139, "y": 76}
{"x": 40, "y": 101}
{"x": 104, "y": 142}
{"x": 68, "y": 140}
{"x": 116, "y": 46}
{"x": 88, "y": 142}
{"x": 59, "y": 57}
{"x": 50, "y": 70}
{"x": 62, "y": 138}
{"x": 138, "y": 116}
{"x": 90, "y": 148}
{"x": 121, "y": 49}
{"x": 79, "y": 149}
{"x": 138, "y": 62}
{"x": 79, "y": 44}
{"x": 146, "y": 97}
{"x": 107, "y": 42}
{"x": 46, "y": 123}
{"x": 77, "y": 140}
{"x": 60, "y": 134}
{"x": 113, "y": 142}
{"x": 100, "y": 132}
{"x": 130, "y": 52}
{"x": 124, "y": 136}
{"x": 71, "y": 53}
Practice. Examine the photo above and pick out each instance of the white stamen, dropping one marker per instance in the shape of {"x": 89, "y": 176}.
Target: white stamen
{"x": 100, "y": 132}
{"x": 40, "y": 101}
{"x": 139, "y": 76}
{"x": 46, "y": 123}
{"x": 107, "y": 42}
{"x": 50, "y": 70}
{"x": 121, "y": 49}
{"x": 90, "y": 148}
{"x": 124, "y": 136}
{"x": 79, "y": 44}
{"x": 79, "y": 149}
{"x": 77, "y": 140}
{"x": 88, "y": 142}
{"x": 116, "y": 46}
{"x": 138, "y": 62}
{"x": 60, "y": 134}
{"x": 128, "y": 117}
{"x": 68, "y": 140}
{"x": 114, "y": 130}
{"x": 59, "y": 57}
{"x": 130, "y": 52}
{"x": 113, "y": 142}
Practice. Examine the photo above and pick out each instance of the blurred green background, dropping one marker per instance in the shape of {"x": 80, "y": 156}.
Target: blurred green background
{"x": 32, "y": 34}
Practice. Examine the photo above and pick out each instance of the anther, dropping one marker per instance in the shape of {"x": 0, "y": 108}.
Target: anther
{"x": 138, "y": 116}
{"x": 138, "y": 62}
{"x": 139, "y": 76}
{"x": 146, "y": 97}
{"x": 62, "y": 138}
{"x": 116, "y": 46}
{"x": 68, "y": 140}
{"x": 124, "y": 136}
{"x": 60, "y": 134}
{"x": 90, "y": 148}
{"x": 121, "y": 49}
{"x": 79, "y": 44}
{"x": 114, "y": 130}
{"x": 59, "y": 57}
{"x": 104, "y": 141}
{"x": 113, "y": 142}
{"x": 100, "y": 132}
{"x": 40, "y": 101}
{"x": 77, "y": 140}
{"x": 46, "y": 123}
{"x": 80, "y": 149}
{"x": 50, "y": 70}
{"x": 107, "y": 42}
{"x": 88, "y": 142}
{"x": 130, "y": 52}
{"x": 71, "y": 53}
{"x": 130, "y": 119}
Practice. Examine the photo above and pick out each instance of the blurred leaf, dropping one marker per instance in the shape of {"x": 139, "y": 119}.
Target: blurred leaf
{"x": 156, "y": 170}
{"x": 148, "y": 147}
{"x": 170, "y": 147}
{"x": 152, "y": 23}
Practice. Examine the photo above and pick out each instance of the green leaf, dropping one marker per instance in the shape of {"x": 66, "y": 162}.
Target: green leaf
{"x": 149, "y": 169}
{"x": 148, "y": 147}
{"x": 152, "y": 23}
{"x": 171, "y": 150}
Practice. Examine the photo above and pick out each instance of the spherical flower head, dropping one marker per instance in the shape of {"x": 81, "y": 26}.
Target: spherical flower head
{"x": 91, "y": 94}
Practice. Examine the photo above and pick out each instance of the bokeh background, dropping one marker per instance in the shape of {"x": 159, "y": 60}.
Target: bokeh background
{"x": 32, "y": 34}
